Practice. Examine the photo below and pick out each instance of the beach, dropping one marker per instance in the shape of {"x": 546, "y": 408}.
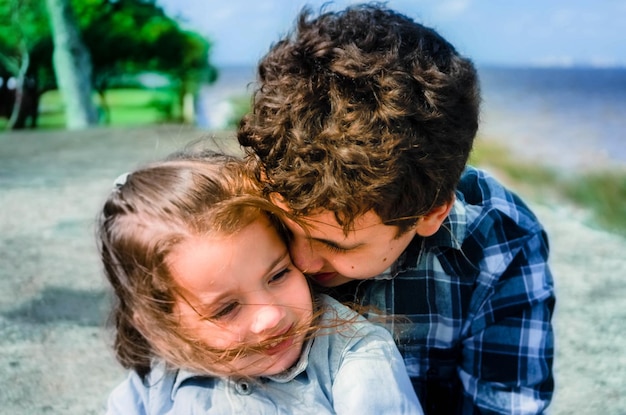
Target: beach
{"x": 55, "y": 355}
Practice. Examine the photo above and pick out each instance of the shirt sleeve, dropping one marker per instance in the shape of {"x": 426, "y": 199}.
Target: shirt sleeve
{"x": 507, "y": 356}
{"x": 129, "y": 398}
{"x": 372, "y": 378}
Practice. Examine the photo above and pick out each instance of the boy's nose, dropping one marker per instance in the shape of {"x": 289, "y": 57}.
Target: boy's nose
{"x": 267, "y": 318}
{"x": 304, "y": 256}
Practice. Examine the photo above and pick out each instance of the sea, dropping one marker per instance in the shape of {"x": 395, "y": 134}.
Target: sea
{"x": 570, "y": 118}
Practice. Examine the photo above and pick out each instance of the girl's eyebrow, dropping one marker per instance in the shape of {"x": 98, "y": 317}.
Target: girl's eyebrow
{"x": 277, "y": 261}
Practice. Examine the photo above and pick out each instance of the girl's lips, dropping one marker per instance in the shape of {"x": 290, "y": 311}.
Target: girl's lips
{"x": 280, "y": 347}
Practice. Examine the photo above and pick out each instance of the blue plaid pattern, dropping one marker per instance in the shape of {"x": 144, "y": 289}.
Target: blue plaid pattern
{"x": 472, "y": 306}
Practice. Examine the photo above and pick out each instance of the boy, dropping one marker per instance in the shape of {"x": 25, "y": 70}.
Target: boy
{"x": 362, "y": 125}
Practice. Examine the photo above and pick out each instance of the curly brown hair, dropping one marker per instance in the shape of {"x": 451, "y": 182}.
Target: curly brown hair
{"x": 362, "y": 109}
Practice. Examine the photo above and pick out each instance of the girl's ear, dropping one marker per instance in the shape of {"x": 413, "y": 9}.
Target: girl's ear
{"x": 430, "y": 223}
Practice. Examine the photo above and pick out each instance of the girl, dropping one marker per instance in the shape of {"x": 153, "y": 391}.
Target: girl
{"x": 211, "y": 315}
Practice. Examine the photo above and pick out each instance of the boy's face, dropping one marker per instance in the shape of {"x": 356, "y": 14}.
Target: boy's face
{"x": 331, "y": 258}
{"x": 243, "y": 290}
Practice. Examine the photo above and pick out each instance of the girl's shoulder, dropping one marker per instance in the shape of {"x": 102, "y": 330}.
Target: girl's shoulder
{"x": 154, "y": 393}
{"x": 336, "y": 313}
{"x": 143, "y": 395}
{"x": 343, "y": 326}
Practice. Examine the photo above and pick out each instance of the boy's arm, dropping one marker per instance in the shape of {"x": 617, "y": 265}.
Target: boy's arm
{"x": 372, "y": 378}
{"x": 507, "y": 359}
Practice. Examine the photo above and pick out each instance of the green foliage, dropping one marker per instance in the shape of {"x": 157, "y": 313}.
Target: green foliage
{"x": 133, "y": 36}
{"x": 22, "y": 26}
{"x": 164, "y": 107}
{"x": 603, "y": 193}
{"x": 500, "y": 158}
{"x": 128, "y": 107}
{"x": 20, "y": 20}
{"x": 241, "y": 105}
{"x": 125, "y": 38}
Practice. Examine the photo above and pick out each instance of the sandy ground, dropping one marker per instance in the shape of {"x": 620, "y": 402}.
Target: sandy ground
{"x": 54, "y": 353}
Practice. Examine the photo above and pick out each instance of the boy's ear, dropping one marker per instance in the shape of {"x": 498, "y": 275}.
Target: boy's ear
{"x": 430, "y": 223}
{"x": 278, "y": 200}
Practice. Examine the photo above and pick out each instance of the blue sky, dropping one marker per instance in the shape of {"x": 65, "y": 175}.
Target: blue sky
{"x": 495, "y": 32}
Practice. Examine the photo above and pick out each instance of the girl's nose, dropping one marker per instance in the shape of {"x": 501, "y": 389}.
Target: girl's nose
{"x": 267, "y": 318}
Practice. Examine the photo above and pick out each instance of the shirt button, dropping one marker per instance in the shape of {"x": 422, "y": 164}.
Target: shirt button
{"x": 243, "y": 387}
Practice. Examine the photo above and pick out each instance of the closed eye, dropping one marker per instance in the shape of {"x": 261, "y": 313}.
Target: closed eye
{"x": 225, "y": 311}
{"x": 335, "y": 248}
{"x": 280, "y": 275}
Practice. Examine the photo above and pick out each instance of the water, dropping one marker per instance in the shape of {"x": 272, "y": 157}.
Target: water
{"x": 569, "y": 118}
{"x": 215, "y": 107}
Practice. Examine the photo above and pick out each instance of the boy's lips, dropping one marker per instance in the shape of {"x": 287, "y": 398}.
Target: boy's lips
{"x": 323, "y": 277}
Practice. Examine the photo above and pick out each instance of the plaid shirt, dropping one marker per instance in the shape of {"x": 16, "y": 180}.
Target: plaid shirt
{"x": 472, "y": 306}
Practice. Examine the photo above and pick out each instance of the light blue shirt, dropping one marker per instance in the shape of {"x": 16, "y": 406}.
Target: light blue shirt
{"x": 351, "y": 368}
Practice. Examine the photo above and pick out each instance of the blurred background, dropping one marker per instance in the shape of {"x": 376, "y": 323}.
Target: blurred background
{"x": 553, "y": 74}
{"x": 92, "y": 88}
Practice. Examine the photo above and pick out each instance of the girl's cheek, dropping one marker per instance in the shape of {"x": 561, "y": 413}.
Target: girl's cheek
{"x": 222, "y": 338}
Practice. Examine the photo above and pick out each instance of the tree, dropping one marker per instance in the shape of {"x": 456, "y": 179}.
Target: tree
{"x": 20, "y": 31}
{"x": 184, "y": 57}
{"x": 124, "y": 37}
{"x": 129, "y": 37}
{"x": 72, "y": 64}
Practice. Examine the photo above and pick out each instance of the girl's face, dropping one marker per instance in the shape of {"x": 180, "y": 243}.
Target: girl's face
{"x": 241, "y": 290}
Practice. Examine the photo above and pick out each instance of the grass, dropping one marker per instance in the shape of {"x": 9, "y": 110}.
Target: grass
{"x": 128, "y": 107}
{"x": 605, "y": 194}
{"x": 241, "y": 106}
{"x": 602, "y": 193}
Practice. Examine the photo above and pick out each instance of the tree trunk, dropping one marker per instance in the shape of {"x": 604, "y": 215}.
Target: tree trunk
{"x": 105, "y": 110}
{"x": 17, "y": 120}
{"x": 189, "y": 109}
{"x": 72, "y": 66}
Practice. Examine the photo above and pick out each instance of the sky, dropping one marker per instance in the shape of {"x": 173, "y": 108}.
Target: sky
{"x": 491, "y": 32}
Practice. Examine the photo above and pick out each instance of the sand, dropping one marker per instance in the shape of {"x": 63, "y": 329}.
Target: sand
{"x": 54, "y": 350}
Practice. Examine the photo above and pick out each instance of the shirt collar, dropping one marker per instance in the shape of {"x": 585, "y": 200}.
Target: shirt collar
{"x": 288, "y": 375}
{"x": 181, "y": 376}
{"x": 450, "y": 235}
{"x": 295, "y": 370}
